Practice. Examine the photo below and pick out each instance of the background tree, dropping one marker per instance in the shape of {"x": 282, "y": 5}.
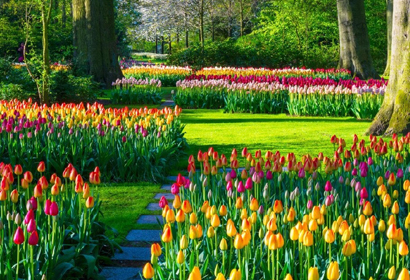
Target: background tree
{"x": 95, "y": 39}
{"x": 394, "y": 115}
{"x": 354, "y": 39}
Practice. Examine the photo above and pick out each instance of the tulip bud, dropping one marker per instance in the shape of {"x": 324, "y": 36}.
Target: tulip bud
{"x": 148, "y": 271}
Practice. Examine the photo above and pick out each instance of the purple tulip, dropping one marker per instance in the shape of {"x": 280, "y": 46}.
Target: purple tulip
{"x": 269, "y": 175}
{"x": 310, "y": 204}
{"x": 400, "y": 173}
{"x": 301, "y": 173}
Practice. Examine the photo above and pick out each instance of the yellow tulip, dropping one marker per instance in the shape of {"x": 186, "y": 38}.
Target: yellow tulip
{"x": 313, "y": 273}
{"x": 148, "y": 271}
{"x": 195, "y": 274}
{"x": 333, "y": 271}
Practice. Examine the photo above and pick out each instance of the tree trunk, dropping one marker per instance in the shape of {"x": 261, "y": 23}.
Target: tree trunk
{"x": 241, "y": 15}
{"x": 156, "y": 43}
{"x": 170, "y": 44}
{"x": 45, "y": 16}
{"x": 162, "y": 44}
{"x": 64, "y": 16}
{"x": 394, "y": 115}
{"x": 96, "y": 43}
{"x": 187, "y": 39}
{"x": 389, "y": 20}
{"x": 201, "y": 24}
{"x": 354, "y": 39}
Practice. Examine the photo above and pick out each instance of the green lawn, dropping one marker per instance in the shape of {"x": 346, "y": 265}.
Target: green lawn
{"x": 122, "y": 204}
{"x": 300, "y": 135}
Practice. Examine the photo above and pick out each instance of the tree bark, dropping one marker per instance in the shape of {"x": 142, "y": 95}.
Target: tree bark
{"x": 64, "y": 15}
{"x": 45, "y": 16}
{"x": 95, "y": 39}
{"x": 389, "y": 20}
{"x": 394, "y": 115}
{"x": 354, "y": 39}
{"x": 201, "y": 24}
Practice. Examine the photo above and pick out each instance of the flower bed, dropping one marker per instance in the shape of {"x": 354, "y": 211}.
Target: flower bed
{"x": 128, "y": 145}
{"x": 274, "y": 216}
{"x": 335, "y": 74}
{"x": 168, "y": 75}
{"x": 273, "y": 94}
{"x": 133, "y": 91}
{"x": 49, "y": 226}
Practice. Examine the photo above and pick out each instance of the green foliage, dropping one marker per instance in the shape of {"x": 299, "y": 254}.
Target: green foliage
{"x": 65, "y": 87}
{"x": 12, "y": 91}
{"x": 226, "y": 53}
{"x": 136, "y": 95}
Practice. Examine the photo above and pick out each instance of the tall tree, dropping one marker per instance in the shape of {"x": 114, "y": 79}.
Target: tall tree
{"x": 389, "y": 20}
{"x": 95, "y": 40}
{"x": 394, "y": 115}
{"x": 354, "y": 39}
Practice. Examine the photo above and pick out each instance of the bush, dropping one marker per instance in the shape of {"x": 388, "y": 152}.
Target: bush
{"x": 12, "y": 91}
{"x": 65, "y": 87}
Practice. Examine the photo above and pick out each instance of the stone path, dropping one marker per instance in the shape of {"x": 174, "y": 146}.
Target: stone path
{"x": 128, "y": 264}
{"x": 167, "y": 103}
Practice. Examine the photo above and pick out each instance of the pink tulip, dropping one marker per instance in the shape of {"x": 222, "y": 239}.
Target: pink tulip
{"x": 29, "y": 217}
{"x": 54, "y": 209}
{"x": 301, "y": 173}
{"x": 249, "y": 184}
{"x": 363, "y": 193}
{"x": 163, "y": 202}
{"x": 241, "y": 187}
{"x": 47, "y": 206}
{"x": 328, "y": 186}
{"x": 174, "y": 189}
{"x": 31, "y": 225}
{"x": 229, "y": 185}
{"x": 400, "y": 173}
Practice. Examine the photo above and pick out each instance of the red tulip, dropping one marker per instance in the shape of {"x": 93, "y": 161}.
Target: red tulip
{"x": 18, "y": 170}
{"x": 18, "y": 236}
{"x": 89, "y": 202}
{"x": 33, "y": 239}
{"x": 41, "y": 167}
{"x": 28, "y": 176}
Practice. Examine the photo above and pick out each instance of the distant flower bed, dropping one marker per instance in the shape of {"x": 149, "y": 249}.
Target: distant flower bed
{"x": 128, "y": 145}
{"x": 133, "y": 91}
{"x": 285, "y": 72}
{"x": 301, "y": 95}
{"x": 168, "y": 75}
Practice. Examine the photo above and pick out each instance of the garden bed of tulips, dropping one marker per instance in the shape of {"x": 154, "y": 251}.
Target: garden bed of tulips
{"x": 334, "y": 74}
{"x": 133, "y": 91}
{"x": 128, "y": 145}
{"x": 49, "y": 226}
{"x": 168, "y": 75}
{"x": 300, "y": 96}
{"x": 272, "y": 216}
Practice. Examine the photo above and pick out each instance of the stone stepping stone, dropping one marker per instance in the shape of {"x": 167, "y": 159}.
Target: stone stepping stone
{"x": 168, "y": 196}
{"x": 149, "y": 219}
{"x": 166, "y": 187}
{"x": 133, "y": 254}
{"x": 140, "y": 235}
{"x": 168, "y": 103}
{"x": 124, "y": 273}
{"x": 153, "y": 207}
{"x": 173, "y": 179}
